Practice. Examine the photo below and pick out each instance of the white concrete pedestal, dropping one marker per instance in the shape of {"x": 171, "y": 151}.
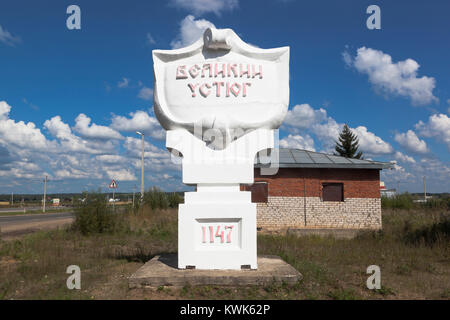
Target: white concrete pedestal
{"x": 217, "y": 230}
{"x": 217, "y": 223}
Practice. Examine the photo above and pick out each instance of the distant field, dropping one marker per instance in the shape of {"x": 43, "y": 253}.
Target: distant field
{"x": 412, "y": 251}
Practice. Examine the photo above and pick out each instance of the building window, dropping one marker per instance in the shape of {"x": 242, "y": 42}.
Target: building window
{"x": 259, "y": 190}
{"x": 333, "y": 192}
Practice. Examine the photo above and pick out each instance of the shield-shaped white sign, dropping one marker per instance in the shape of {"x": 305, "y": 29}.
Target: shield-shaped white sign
{"x": 221, "y": 82}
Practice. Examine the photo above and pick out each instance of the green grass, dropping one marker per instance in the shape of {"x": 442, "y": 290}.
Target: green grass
{"x": 406, "y": 201}
{"x": 34, "y": 267}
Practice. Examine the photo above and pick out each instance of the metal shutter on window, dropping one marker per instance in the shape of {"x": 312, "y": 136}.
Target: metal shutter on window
{"x": 259, "y": 190}
{"x": 333, "y": 192}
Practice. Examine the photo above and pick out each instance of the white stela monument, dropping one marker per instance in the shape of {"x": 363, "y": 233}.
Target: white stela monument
{"x": 220, "y": 100}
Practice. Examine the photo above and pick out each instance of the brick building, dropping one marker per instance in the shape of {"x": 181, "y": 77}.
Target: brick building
{"x": 317, "y": 190}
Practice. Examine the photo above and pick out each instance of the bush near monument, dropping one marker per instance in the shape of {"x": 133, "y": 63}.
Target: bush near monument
{"x": 158, "y": 199}
{"x": 94, "y": 215}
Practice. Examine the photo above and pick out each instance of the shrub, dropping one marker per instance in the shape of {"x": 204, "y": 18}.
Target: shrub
{"x": 155, "y": 198}
{"x": 93, "y": 215}
{"x": 402, "y": 201}
{"x": 174, "y": 199}
{"x": 433, "y": 234}
{"x": 441, "y": 203}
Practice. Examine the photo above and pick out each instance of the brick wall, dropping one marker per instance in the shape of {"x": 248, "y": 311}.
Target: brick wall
{"x": 361, "y": 208}
{"x": 291, "y": 182}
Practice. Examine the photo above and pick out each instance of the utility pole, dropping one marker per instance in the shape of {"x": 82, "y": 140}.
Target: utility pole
{"x": 45, "y": 193}
{"x": 114, "y": 200}
{"x": 134, "y": 191}
{"x": 12, "y": 198}
{"x": 398, "y": 187}
{"x": 142, "y": 166}
{"x": 424, "y": 189}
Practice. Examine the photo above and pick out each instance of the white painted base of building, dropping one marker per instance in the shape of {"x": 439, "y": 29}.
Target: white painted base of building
{"x": 312, "y": 212}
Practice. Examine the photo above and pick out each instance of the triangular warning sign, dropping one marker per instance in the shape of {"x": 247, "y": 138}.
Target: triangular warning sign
{"x": 113, "y": 185}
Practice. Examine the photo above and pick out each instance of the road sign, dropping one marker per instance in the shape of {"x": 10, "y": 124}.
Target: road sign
{"x": 113, "y": 185}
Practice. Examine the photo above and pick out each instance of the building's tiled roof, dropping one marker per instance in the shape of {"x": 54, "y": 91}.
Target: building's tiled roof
{"x": 297, "y": 158}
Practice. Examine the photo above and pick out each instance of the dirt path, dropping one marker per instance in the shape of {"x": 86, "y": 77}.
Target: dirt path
{"x": 16, "y": 230}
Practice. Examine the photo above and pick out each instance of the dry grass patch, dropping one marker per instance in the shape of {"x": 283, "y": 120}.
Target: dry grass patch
{"x": 412, "y": 250}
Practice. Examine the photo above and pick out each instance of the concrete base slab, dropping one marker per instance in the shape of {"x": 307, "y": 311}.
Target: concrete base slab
{"x": 162, "y": 271}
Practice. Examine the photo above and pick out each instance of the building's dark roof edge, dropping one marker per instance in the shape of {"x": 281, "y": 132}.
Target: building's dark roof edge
{"x": 348, "y": 164}
{"x": 324, "y": 166}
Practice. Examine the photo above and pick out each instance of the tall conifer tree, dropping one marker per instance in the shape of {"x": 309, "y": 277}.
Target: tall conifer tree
{"x": 348, "y": 144}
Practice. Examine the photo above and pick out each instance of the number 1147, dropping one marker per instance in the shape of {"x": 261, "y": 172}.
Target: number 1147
{"x": 208, "y": 232}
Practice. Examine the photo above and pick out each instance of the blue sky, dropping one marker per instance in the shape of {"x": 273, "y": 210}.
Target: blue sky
{"x": 71, "y": 100}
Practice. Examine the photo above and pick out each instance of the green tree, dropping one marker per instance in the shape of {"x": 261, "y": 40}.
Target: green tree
{"x": 348, "y": 144}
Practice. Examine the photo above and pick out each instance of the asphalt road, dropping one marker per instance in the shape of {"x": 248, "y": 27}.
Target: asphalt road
{"x": 27, "y": 218}
{"x": 19, "y": 209}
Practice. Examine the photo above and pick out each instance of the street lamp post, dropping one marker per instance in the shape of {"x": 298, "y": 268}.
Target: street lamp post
{"x": 45, "y": 193}
{"x": 142, "y": 166}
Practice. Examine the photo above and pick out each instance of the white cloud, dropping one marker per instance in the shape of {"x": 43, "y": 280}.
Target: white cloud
{"x": 328, "y": 133}
{"x": 154, "y": 157}
{"x": 123, "y": 83}
{"x": 26, "y": 154}
{"x": 398, "y": 78}
{"x": 304, "y": 118}
{"x": 146, "y": 93}
{"x": 20, "y": 134}
{"x": 438, "y": 127}
{"x": 76, "y": 165}
{"x": 150, "y": 39}
{"x": 93, "y": 131}
{"x": 110, "y": 158}
{"x": 437, "y": 175}
{"x": 205, "y": 6}
{"x": 72, "y": 173}
{"x": 190, "y": 31}
{"x": 403, "y": 157}
{"x": 436, "y": 172}
{"x": 7, "y": 38}
{"x": 71, "y": 143}
{"x": 31, "y": 105}
{"x": 369, "y": 143}
{"x": 395, "y": 175}
{"x": 411, "y": 142}
{"x": 17, "y": 172}
{"x": 58, "y": 128}
{"x": 4, "y": 110}
{"x": 121, "y": 175}
{"x": 434, "y": 169}
{"x": 298, "y": 142}
{"x": 347, "y": 58}
{"x": 134, "y": 147}
{"x": 140, "y": 121}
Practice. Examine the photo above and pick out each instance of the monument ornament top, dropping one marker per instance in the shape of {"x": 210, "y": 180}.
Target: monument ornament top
{"x": 221, "y": 82}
